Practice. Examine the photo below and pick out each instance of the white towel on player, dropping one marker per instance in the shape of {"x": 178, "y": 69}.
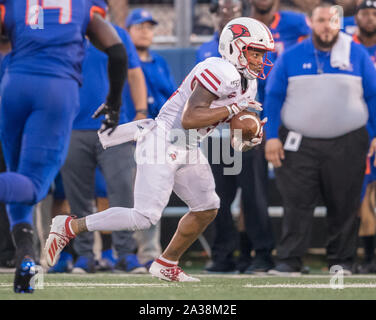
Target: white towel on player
{"x": 126, "y": 132}
{"x": 340, "y": 56}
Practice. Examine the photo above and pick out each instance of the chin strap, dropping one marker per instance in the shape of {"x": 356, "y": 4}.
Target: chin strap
{"x": 247, "y": 74}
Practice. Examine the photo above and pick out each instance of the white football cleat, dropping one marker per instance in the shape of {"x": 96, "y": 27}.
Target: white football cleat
{"x": 59, "y": 237}
{"x": 170, "y": 272}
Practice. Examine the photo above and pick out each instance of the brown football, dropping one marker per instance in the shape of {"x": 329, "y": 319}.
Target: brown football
{"x": 248, "y": 122}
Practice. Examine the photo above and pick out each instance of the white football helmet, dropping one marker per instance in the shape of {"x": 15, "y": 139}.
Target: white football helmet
{"x": 239, "y": 35}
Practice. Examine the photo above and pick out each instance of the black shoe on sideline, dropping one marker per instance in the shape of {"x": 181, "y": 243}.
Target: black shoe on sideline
{"x": 260, "y": 265}
{"x": 7, "y": 263}
{"x": 222, "y": 268}
{"x": 243, "y": 263}
{"x": 283, "y": 269}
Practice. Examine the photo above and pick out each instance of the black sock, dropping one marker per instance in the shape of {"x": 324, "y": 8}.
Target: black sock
{"x": 106, "y": 241}
{"x": 245, "y": 245}
{"x": 22, "y": 234}
{"x": 369, "y": 247}
{"x": 69, "y": 249}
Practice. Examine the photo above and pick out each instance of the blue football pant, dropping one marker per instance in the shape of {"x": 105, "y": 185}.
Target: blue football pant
{"x": 36, "y": 117}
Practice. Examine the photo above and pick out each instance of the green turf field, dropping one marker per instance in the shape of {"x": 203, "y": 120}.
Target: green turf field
{"x": 212, "y": 287}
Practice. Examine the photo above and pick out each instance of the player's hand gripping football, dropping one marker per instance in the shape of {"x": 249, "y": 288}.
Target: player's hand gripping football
{"x": 243, "y": 144}
{"x": 111, "y": 118}
{"x": 258, "y": 139}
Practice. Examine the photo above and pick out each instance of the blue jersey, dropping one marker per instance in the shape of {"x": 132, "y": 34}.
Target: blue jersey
{"x": 48, "y": 39}
{"x": 159, "y": 82}
{"x": 371, "y": 50}
{"x": 287, "y": 29}
{"x": 96, "y": 85}
{"x": 371, "y": 170}
{"x": 349, "y": 25}
{"x": 4, "y": 63}
{"x": 208, "y": 49}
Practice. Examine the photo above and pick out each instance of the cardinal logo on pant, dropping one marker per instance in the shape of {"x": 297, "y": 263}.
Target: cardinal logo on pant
{"x": 173, "y": 156}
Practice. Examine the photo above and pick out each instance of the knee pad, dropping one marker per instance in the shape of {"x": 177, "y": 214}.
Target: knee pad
{"x": 17, "y": 188}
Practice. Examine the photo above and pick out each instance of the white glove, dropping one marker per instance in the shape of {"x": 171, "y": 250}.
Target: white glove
{"x": 242, "y": 105}
{"x": 235, "y": 109}
{"x": 262, "y": 123}
{"x": 256, "y": 106}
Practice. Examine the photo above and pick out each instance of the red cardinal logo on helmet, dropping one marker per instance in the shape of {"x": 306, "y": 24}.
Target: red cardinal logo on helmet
{"x": 239, "y": 30}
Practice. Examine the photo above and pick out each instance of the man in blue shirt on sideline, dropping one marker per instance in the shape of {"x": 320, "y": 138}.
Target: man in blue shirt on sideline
{"x": 317, "y": 138}
{"x": 159, "y": 80}
{"x": 117, "y": 164}
{"x": 160, "y": 86}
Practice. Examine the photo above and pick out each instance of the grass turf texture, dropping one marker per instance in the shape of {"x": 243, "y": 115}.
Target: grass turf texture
{"x": 219, "y": 287}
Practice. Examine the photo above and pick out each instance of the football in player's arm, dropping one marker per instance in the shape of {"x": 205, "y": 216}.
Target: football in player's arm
{"x": 214, "y": 91}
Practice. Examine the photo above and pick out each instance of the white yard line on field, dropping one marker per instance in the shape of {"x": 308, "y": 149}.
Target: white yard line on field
{"x": 311, "y": 276}
{"x": 107, "y": 285}
{"x": 310, "y": 286}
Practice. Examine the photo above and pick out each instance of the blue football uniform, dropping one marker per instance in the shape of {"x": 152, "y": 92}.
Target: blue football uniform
{"x": 287, "y": 28}
{"x": 371, "y": 170}
{"x": 208, "y": 49}
{"x": 160, "y": 86}
{"x": 40, "y": 94}
{"x": 349, "y": 25}
{"x": 371, "y": 50}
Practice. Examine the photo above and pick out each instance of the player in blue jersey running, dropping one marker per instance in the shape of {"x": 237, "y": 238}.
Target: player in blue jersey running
{"x": 40, "y": 100}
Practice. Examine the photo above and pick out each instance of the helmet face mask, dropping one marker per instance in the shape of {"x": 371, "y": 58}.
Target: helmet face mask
{"x": 252, "y": 68}
{"x": 238, "y": 38}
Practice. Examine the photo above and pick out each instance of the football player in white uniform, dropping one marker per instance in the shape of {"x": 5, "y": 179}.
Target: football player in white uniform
{"x": 214, "y": 91}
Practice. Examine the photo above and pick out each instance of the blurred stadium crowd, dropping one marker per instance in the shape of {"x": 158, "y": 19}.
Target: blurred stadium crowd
{"x": 244, "y": 242}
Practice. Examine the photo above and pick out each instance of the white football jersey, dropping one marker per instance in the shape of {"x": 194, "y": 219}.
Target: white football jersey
{"x": 218, "y": 76}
